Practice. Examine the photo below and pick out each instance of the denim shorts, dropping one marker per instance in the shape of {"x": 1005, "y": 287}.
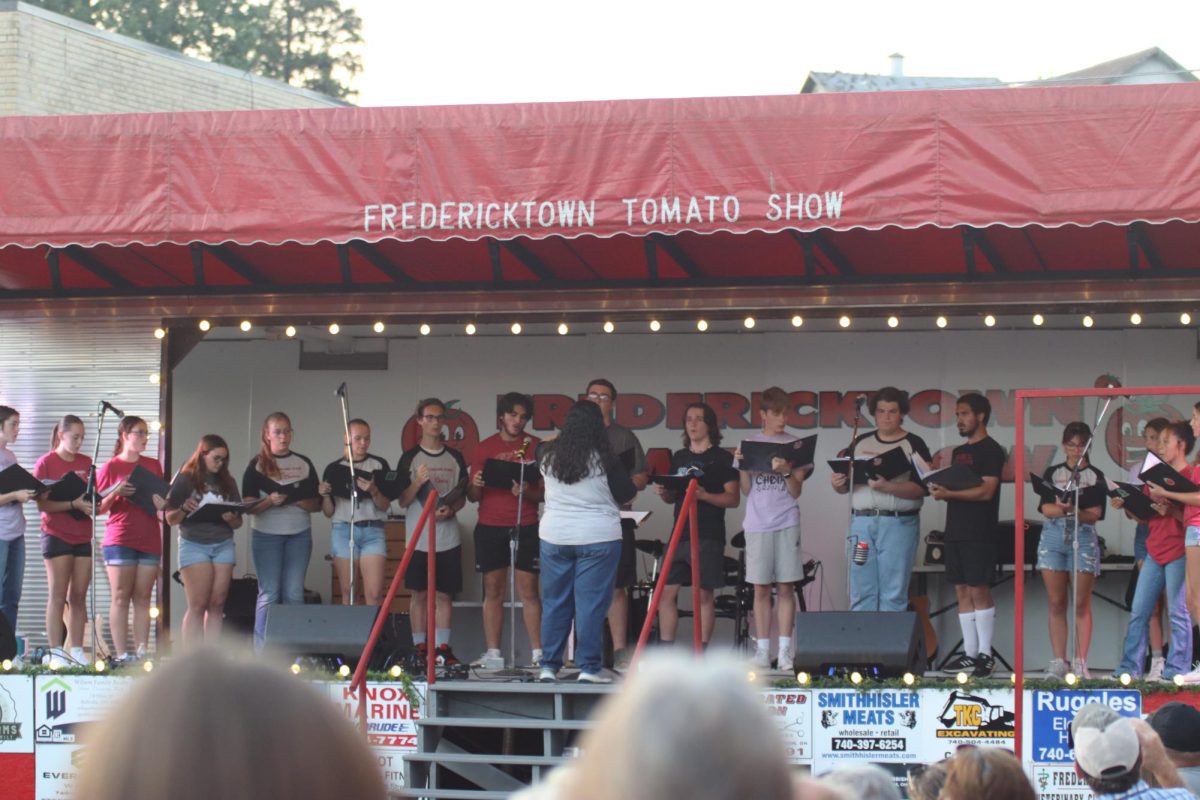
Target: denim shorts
{"x": 1055, "y": 547}
{"x": 369, "y": 539}
{"x": 118, "y": 555}
{"x": 191, "y": 553}
{"x": 1191, "y": 538}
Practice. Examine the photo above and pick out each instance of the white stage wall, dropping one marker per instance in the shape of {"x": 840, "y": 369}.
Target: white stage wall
{"x": 228, "y": 387}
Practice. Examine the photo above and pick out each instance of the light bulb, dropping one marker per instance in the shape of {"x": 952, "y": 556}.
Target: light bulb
{"x": 702, "y": 325}
{"x": 470, "y": 329}
{"x": 655, "y": 325}
{"x": 159, "y": 333}
{"x": 563, "y": 330}
{"x": 844, "y": 321}
{"x": 1135, "y": 318}
{"x": 334, "y": 328}
{"x": 1088, "y": 321}
{"x": 942, "y": 322}
{"x": 989, "y": 321}
{"x": 797, "y": 321}
{"x": 1185, "y": 318}
{"x": 748, "y": 322}
{"x": 425, "y": 330}
{"x": 893, "y": 322}
{"x": 378, "y": 327}
{"x": 205, "y": 325}
{"x": 289, "y": 331}
{"x": 245, "y": 326}
{"x": 1038, "y": 319}
{"x": 516, "y": 328}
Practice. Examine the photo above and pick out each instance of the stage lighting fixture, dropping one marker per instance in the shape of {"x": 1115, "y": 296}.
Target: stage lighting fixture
{"x": 942, "y": 322}
{"x": 844, "y": 321}
{"x": 516, "y": 328}
{"x": 296, "y": 667}
{"x": 425, "y": 330}
{"x": 1126, "y": 679}
{"x": 748, "y": 322}
{"x": 470, "y": 329}
{"x": 1071, "y": 678}
{"x": 702, "y": 325}
{"x": 1038, "y": 319}
{"x": 609, "y": 327}
{"x": 909, "y": 679}
{"x": 990, "y": 321}
{"x": 1135, "y": 318}
{"x": 396, "y": 671}
{"x": 334, "y": 328}
{"x": 344, "y": 669}
{"x": 100, "y": 665}
{"x": 856, "y": 677}
{"x": 154, "y": 612}
{"x": 563, "y": 330}
{"x": 155, "y": 378}
{"x": 148, "y": 665}
{"x": 655, "y": 325}
{"x": 1185, "y": 318}
{"x": 378, "y": 327}
{"x": 961, "y": 677}
{"x": 245, "y": 326}
{"x": 893, "y": 322}
{"x": 797, "y": 321}
{"x": 159, "y": 333}
{"x": 803, "y": 678}
{"x": 205, "y": 325}
{"x": 289, "y": 331}
{"x": 1088, "y": 321}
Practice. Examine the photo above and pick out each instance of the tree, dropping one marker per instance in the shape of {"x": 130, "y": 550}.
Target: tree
{"x": 309, "y": 43}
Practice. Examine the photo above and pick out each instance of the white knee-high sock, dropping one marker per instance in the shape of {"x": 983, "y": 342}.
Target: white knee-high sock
{"x": 985, "y": 624}
{"x": 969, "y": 633}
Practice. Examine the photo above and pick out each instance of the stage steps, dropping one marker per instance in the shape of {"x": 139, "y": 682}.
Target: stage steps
{"x": 486, "y": 739}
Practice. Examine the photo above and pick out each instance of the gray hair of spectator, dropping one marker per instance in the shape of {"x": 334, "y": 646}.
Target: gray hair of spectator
{"x": 865, "y": 782}
{"x": 228, "y": 728}
{"x": 683, "y": 728}
{"x": 926, "y": 783}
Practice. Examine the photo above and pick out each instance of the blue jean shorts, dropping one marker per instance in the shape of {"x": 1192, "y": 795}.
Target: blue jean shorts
{"x": 1191, "y": 538}
{"x": 118, "y": 555}
{"x": 369, "y": 539}
{"x": 1055, "y": 547}
{"x": 191, "y": 553}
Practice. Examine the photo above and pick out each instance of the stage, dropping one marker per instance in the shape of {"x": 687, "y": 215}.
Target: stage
{"x": 486, "y": 736}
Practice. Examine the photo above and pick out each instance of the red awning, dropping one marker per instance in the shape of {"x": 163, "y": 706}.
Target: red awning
{"x": 985, "y": 159}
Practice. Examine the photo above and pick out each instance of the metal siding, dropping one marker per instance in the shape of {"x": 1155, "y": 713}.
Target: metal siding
{"x": 52, "y": 367}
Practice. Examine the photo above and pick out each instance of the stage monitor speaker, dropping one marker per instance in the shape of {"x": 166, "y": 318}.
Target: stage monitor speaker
{"x": 883, "y": 644}
{"x": 337, "y": 631}
{"x": 1005, "y": 546}
{"x": 240, "y": 605}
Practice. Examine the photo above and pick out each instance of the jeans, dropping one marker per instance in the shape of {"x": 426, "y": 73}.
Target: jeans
{"x": 12, "y": 577}
{"x": 881, "y": 584}
{"x": 577, "y": 585}
{"x": 281, "y": 561}
{"x": 1150, "y": 583}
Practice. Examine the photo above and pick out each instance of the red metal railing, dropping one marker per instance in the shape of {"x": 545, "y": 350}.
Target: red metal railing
{"x": 1019, "y": 516}
{"x": 687, "y": 514}
{"x": 427, "y": 520}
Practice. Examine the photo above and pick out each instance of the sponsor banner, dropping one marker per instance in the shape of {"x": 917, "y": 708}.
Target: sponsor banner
{"x": 792, "y": 708}
{"x": 879, "y": 725}
{"x": 57, "y": 768}
{"x": 16, "y": 714}
{"x": 66, "y": 704}
{"x": 1050, "y": 714}
{"x": 955, "y": 717}
{"x": 1058, "y": 782}
{"x": 391, "y": 724}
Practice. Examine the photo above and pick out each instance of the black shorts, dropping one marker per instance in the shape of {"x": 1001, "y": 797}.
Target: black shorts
{"x": 493, "y": 544}
{"x": 971, "y": 562}
{"x": 447, "y": 566}
{"x": 627, "y": 565}
{"x": 53, "y": 547}
{"x": 712, "y": 564}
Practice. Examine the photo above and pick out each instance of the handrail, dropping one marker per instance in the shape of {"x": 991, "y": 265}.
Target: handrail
{"x": 687, "y": 514}
{"x": 360, "y": 672}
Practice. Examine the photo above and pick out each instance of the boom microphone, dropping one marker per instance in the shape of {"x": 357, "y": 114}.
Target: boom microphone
{"x": 110, "y": 407}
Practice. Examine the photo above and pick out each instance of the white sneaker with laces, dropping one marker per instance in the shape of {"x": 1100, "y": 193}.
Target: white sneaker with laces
{"x": 1157, "y": 665}
{"x": 1192, "y": 677}
{"x": 762, "y": 659}
{"x": 491, "y": 659}
{"x": 783, "y": 662}
{"x": 1080, "y": 668}
{"x": 547, "y": 675}
{"x": 594, "y": 677}
{"x": 535, "y": 658}
{"x": 80, "y": 657}
{"x": 1057, "y": 669}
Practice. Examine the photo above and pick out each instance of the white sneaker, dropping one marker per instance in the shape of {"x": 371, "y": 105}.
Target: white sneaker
{"x": 1057, "y": 669}
{"x": 491, "y": 659}
{"x": 535, "y": 658}
{"x": 762, "y": 659}
{"x": 783, "y": 663}
{"x": 1157, "y": 665}
{"x": 547, "y": 675}
{"x": 1079, "y": 667}
{"x": 1190, "y": 677}
{"x": 622, "y": 658}
{"x": 594, "y": 677}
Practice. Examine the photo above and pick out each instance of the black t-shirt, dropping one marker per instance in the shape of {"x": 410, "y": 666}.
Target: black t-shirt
{"x": 971, "y": 519}
{"x": 717, "y": 466}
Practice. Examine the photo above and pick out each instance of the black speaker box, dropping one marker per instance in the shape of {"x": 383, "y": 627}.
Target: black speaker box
{"x": 883, "y": 643}
{"x": 338, "y": 631}
{"x": 1005, "y": 549}
{"x": 240, "y": 605}
{"x": 8, "y": 639}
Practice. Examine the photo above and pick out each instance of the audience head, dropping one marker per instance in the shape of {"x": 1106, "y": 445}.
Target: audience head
{"x": 1178, "y": 725}
{"x": 925, "y": 782}
{"x": 863, "y": 782}
{"x": 986, "y": 773}
{"x": 229, "y": 729}
{"x": 646, "y": 741}
{"x": 1108, "y": 756}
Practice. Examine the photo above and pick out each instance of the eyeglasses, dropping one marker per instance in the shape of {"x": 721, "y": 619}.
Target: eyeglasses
{"x": 598, "y": 396}
{"x": 433, "y": 417}
{"x": 139, "y": 433}
{"x": 281, "y": 432}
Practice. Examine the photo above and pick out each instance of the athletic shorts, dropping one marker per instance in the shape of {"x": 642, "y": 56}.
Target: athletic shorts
{"x": 971, "y": 562}
{"x": 53, "y": 547}
{"x": 627, "y": 565}
{"x": 712, "y": 564}
{"x": 447, "y": 567}
{"x": 774, "y": 556}
{"x": 493, "y": 546}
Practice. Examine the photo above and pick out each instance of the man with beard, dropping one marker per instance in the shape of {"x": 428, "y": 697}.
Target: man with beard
{"x": 971, "y": 547}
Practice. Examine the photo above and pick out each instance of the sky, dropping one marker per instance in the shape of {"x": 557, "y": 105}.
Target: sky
{"x": 473, "y": 51}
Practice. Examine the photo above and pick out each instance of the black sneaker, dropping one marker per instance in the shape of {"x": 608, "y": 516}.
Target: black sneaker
{"x": 963, "y": 663}
{"x": 444, "y": 657}
{"x": 984, "y": 665}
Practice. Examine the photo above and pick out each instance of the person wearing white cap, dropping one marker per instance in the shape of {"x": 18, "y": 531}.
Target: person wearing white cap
{"x": 1108, "y": 757}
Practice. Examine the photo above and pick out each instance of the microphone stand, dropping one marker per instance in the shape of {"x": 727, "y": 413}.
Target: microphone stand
{"x": 345, "y": 404}
{"x": 514, "y": 671}
{"x": 1073, "y": 483}
{"x": 850, "y": 497}
{"x": 94, "y": 496}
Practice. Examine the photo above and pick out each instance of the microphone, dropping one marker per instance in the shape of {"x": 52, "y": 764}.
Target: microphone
{"x": 860, "y": 401}
{"x": 341, "y": 390}
{"x": 104, "y": 404}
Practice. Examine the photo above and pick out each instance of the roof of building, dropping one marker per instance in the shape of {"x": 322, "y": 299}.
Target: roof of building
{"x": 866, "y": 82}
{"x": 1113, "y": 71}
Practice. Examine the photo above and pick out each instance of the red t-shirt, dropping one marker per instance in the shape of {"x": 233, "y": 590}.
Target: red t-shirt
{"x": 1165, "y": 542}
{"x": 1191, "y": 514}
{"x": 51, "y": 467}
{"x": 499, "y": 506}
{"x": 128, "y": 524}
